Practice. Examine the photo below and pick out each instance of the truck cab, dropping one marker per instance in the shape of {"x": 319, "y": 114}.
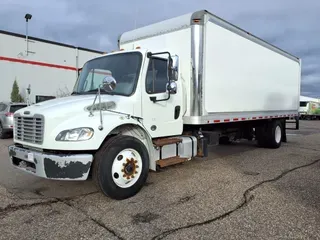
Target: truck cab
{"x": 120, "y": 102}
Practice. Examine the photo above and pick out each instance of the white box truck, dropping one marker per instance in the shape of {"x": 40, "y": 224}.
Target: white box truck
{"x": 309, "y": 108}
{"x": 172, "y": 88}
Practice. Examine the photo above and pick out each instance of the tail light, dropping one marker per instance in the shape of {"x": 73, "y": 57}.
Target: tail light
{"x": 9, "y": 114}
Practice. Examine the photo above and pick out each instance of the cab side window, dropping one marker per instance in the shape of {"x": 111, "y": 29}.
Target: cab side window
{"x": 157, "y": 79}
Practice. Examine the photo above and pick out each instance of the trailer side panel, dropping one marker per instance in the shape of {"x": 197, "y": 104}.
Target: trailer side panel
{"x": 241, "y": 75}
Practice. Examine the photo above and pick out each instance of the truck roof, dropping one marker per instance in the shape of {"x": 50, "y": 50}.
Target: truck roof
{"x": 185, "y": 21}
{"x": 308, "y": 99}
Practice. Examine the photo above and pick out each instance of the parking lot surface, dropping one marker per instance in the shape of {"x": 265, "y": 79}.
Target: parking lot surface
{"x": 238, "y": 192}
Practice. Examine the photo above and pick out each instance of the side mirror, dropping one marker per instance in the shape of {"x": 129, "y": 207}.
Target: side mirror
{"x": 109, "y": 84}
{"x": 172, "y": 87}
{"x": 173, "y": 68}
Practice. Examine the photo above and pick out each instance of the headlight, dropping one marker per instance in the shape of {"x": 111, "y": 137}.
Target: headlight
{"x": 76, "y": 134}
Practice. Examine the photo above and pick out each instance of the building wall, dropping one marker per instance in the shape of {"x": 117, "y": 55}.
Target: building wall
{"x": 50, "y": 68}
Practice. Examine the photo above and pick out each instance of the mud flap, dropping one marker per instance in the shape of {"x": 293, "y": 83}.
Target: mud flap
{"x": 284, "y": 131}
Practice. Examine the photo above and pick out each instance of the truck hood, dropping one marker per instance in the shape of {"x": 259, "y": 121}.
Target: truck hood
{"x": 67, "y": 106}
{"x": 74, "y": 112}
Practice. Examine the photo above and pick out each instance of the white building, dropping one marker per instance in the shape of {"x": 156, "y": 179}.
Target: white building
{"x": 49, "y": 67}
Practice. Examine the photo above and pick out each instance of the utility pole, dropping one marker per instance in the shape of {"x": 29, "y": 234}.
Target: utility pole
{"x": 28, "y": 17}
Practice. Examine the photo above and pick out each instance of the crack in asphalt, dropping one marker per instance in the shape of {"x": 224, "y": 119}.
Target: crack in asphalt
{"x": 247, "y": 198}
{"x": 11, "y": 208}
{"x": 98, "y": 222}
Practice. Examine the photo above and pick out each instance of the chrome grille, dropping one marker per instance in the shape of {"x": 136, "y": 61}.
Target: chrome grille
{"x": 29, "y": 129}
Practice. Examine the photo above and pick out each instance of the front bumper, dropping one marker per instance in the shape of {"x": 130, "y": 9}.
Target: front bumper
{"x": 51, "y": 166}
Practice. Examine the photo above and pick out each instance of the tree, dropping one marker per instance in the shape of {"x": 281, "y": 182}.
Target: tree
{"x": 15, "y": 94}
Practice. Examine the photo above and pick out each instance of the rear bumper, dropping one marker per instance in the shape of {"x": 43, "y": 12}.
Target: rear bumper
{"x": 50, "y": 166}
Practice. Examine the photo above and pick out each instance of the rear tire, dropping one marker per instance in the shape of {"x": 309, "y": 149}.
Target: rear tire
{"x": 121, "y": 166}
{"x": 270, "y": 135}
{"x": 275, "y": 134}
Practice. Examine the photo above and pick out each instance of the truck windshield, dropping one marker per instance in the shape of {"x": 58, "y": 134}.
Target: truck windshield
{"x": 123, "y": 67}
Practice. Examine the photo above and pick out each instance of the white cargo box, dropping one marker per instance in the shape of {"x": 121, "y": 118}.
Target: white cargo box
{"x": 229, "y": 74}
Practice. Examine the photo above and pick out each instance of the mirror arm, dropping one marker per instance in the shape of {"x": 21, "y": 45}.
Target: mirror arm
{"x": 150, "y": 54}
{"x": 101, "y": 120}
{"x": 154, "y": 99}
{"x": 98, "y": 94}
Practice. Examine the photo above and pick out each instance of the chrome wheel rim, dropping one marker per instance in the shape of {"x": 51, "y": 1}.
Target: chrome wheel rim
{"x": 126, "y": 168}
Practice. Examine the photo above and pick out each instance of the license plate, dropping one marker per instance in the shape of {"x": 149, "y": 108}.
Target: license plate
{"x": 30, "y": 157}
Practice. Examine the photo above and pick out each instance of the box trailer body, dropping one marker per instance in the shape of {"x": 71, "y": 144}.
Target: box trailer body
{"x": 172, "y": 88}
{"x": 229, "y": 73}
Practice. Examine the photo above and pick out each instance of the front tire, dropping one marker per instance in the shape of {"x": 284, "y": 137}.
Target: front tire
{"x": 121, "y": 166}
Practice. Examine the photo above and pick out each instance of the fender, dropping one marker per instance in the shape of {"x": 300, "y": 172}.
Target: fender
{"x": 138, "y": 131}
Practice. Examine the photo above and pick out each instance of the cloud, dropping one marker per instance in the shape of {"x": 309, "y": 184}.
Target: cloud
{"x": 289, "y": 24}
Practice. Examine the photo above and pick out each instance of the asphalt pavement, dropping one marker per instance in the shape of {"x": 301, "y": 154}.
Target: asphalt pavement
{"x": 238, "y": 192}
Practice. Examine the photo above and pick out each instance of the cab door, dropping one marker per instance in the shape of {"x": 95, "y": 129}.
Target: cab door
{"x": 161, "y": 111}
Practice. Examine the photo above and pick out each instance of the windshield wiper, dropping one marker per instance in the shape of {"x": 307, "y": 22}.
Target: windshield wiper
{"x": 91, "y": 91}
{"x": 96, "y": 90}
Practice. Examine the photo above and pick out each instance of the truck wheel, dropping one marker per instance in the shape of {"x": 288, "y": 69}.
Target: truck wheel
{"x": 270, "y": 135}
{"x": 275, "y": 134}
{"x": 121, "y": 167}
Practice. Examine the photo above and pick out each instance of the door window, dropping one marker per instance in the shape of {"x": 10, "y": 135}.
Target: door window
{"x": 157, "y": 78}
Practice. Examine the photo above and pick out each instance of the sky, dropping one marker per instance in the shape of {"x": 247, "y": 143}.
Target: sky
{"x": 292, "y": 25}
